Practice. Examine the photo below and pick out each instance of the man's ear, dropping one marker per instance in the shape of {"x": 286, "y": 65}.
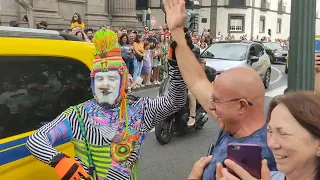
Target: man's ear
{"x": 243, "y": 106}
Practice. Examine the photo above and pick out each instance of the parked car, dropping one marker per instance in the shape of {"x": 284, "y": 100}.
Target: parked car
{"x": 225, "y": 55}
{"x": 276, "y": 52}
{"x": 42, "y": 73}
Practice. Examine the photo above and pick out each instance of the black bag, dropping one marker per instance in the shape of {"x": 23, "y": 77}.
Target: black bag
{"x": 139, "y": 58}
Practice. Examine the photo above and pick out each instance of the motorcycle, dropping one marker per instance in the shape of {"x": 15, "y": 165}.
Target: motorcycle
{"x": 177, "y": 123}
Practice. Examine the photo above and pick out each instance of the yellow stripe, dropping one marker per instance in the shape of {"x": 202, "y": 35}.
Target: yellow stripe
{"x": 12, "y": 148}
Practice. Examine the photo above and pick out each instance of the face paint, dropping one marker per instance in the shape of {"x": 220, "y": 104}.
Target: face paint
{"x": 107, "y": 86}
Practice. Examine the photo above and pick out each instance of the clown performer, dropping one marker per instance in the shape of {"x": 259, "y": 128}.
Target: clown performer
{"x": 107, "y": 131}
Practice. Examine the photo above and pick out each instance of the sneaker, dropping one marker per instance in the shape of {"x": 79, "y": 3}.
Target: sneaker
{"x": 191, "y": 121}
{"x": 141, "y": 85}
{"x": 158, "y": 82}
{"x": 148, "y": 84}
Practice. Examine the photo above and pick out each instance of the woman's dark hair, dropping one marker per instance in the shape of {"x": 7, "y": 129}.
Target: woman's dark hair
{"x": 146, "y": 44}
{"x": 82, "y": 35}
{"x": 137, "y": 39}
{"x": 79, "y": 18}
{"x": 156, "y": 43}
{"x": 304, "y": 107}
{"x": 121, "y": 37}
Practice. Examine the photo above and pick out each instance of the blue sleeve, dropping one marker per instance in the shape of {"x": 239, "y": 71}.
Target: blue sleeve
{"x": 40, "y": 144}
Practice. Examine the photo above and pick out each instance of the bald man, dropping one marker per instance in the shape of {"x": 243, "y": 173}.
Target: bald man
{"x": 236, "y": 101}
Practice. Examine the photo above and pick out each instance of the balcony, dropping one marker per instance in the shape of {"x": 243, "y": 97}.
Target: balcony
{"x": 265, "y": 5}
{"x": 282, "y": 7}
{"x": 237, "y": 3}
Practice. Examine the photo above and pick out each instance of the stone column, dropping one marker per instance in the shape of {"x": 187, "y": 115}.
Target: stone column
{"x": 9, "y": 11}
{"x": 96, "y": 13}
{"x": 124, "y": 13}
{"x": 47, "y": 10}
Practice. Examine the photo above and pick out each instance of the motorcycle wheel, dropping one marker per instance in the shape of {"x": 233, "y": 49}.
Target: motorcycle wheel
{"x": 164, "y": 131}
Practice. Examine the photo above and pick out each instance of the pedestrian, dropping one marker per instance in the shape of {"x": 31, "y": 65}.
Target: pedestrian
{"x": 77, "y": 22}
{"x": 138, "y": 61}
{"x": 147, "y": 64}
{"x": 156, "y": 59}
{"x": 239, "y": 112}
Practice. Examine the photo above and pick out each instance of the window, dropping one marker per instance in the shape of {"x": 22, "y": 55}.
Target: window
{"x": 237, "y": 2}
{"x": 236, "y": 23}
{"x": 258, "y": 50}
{"x": 34, "y": 90}
{"x": 142, "y": 5}
{"x": 226, "y": 51}
{"x": 262, "y": 24}
{"x": 279, "y": 25}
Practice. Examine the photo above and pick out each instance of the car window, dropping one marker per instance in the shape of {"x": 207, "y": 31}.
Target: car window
{"x": 272, "y": 46}
{"x": 34, "y": 90}
{"x": 259, "y": 51}
{"x": 226, "y": 51}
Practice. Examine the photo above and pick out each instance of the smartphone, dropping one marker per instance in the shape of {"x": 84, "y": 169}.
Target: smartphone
{"x": 248, "y": 156}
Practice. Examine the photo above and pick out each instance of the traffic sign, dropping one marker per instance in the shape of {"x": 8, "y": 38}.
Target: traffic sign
{"x": 153, "y": 21}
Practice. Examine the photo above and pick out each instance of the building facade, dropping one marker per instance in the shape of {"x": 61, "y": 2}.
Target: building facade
{"x": 58, "y": 13}
{"x": 242, "y": 17}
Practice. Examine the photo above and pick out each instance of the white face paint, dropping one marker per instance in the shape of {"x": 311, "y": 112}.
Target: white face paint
{"x": 107, "y": 86}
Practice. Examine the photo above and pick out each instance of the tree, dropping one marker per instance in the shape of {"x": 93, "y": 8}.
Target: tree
{"x": 28, "y": 7}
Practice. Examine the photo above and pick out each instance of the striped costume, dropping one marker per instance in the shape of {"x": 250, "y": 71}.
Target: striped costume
{"x": 109, "y": 139}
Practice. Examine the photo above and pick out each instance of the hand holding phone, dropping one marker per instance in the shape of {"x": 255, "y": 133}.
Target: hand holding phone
{"x": 248, "y": 156}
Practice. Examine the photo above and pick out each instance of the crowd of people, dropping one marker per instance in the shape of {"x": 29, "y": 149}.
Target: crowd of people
{"x": 289, "y": 137}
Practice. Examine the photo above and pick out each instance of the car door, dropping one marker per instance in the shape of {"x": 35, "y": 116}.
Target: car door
{"x": 34, "y": 91}
{"x": 260, "y": 65}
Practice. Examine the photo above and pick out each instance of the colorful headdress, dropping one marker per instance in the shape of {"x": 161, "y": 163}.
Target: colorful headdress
{"x": 108, "y": 58}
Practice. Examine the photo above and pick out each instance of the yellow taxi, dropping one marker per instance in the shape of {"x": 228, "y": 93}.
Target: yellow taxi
{"x": 42, "y": 73}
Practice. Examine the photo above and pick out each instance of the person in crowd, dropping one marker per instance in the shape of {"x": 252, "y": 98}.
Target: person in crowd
{"x": 138, "y": 61}
{"x": 193, "y": 101}
{"x": 203, "y": 46}
{"x": 156, "y": 59}
{"x": 80, "y": 35}
{"x": 107, "y": 131}
{"x": 126, "y": 50}
{"x": 132, "y": 37}
{"x": 124, "y": 31}
{"x": 77, "y": 22}
{"x": 239, "y": 112}
{"x": 147, "y": 64}
{"x": 42, "y": 25}
{"x": 83, "y": 36}
{"x": 13, "y": 24}
{"x": 293, "y": 137}
{"x": 90, "y": 34}
{"x": 164, "y": 44}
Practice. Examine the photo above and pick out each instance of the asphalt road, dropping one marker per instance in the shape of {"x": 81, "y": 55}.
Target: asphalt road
{"x": 175, "y": 160}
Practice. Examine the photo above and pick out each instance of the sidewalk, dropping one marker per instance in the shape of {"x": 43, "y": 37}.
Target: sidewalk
{"x": 145, "y": 88}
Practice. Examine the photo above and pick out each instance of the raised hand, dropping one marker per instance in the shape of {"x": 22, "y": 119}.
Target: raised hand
{"x": 175, "y": 13}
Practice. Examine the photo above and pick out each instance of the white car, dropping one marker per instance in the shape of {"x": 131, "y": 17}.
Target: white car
{"x": 229, "y": 54}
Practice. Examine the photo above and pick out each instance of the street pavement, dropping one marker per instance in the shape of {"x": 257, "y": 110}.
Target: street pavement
{"x": 174, "y": 161}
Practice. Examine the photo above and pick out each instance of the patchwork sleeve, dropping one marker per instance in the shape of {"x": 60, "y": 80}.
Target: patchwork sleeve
{"x": 40, "y": 144}
{"x": 159, "y": 108}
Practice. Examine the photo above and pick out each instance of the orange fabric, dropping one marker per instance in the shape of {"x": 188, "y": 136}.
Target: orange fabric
{"x": 64, "y": 166}
{"x": 170, "y": 53}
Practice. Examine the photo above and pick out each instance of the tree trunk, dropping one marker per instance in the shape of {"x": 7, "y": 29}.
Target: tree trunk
{"x": 28, "y": 7}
